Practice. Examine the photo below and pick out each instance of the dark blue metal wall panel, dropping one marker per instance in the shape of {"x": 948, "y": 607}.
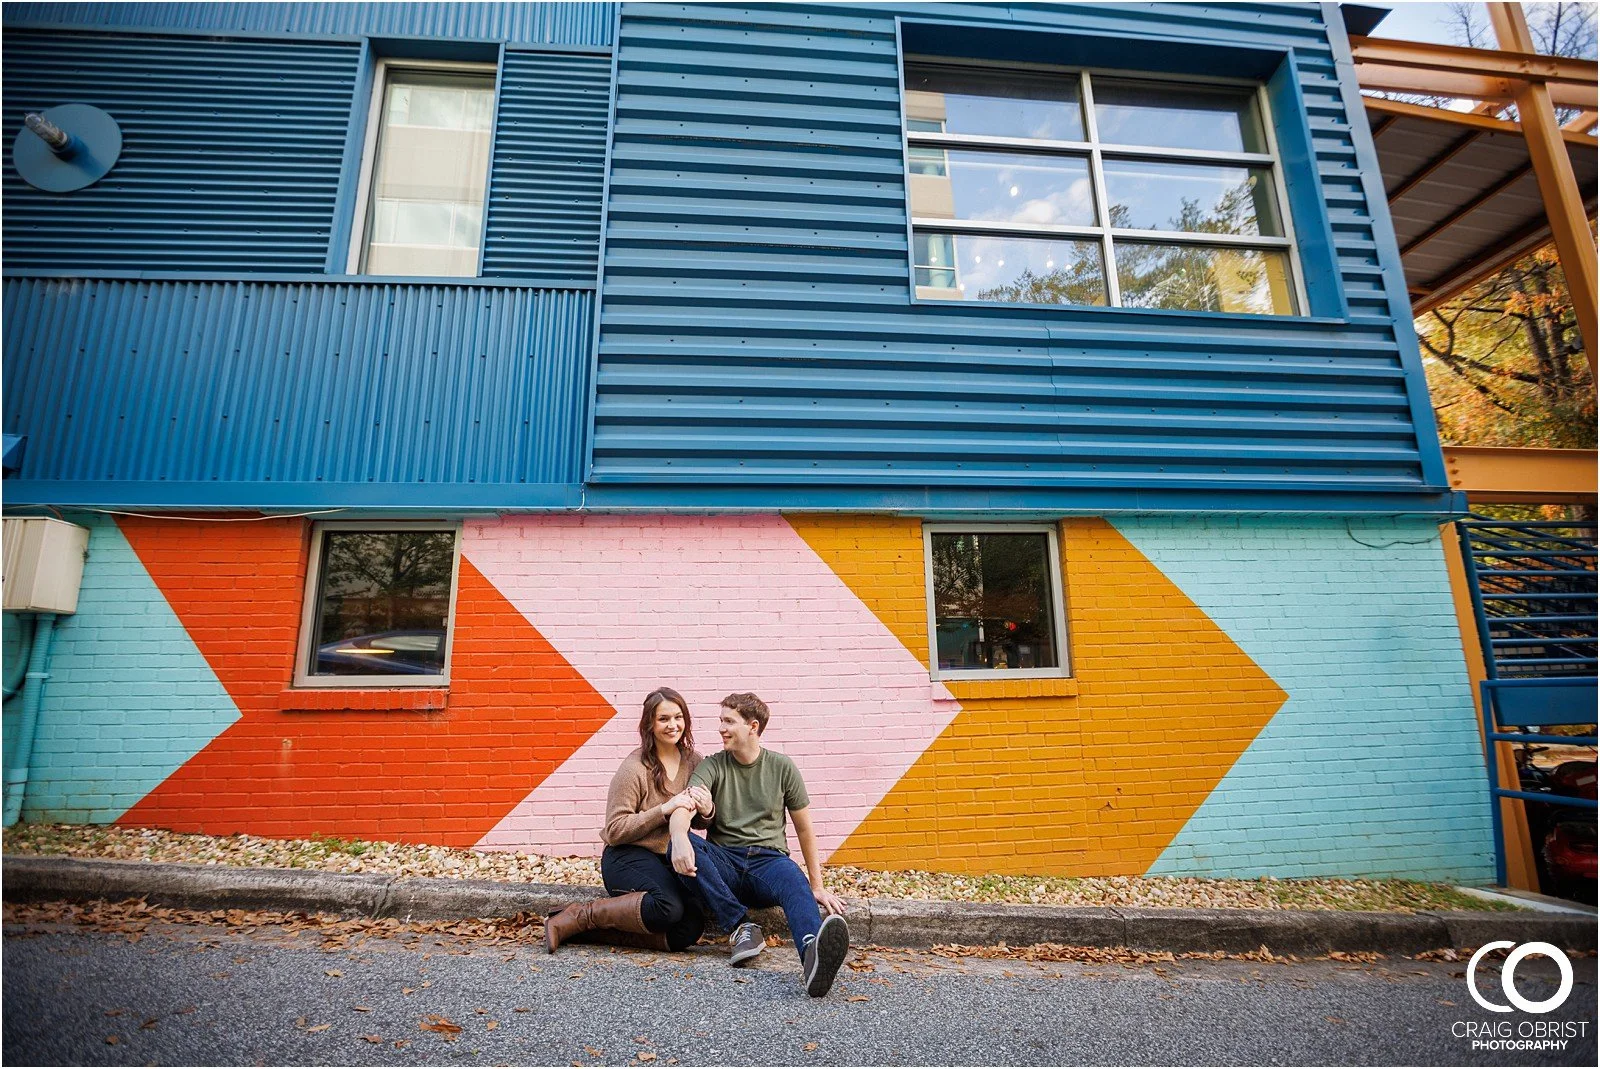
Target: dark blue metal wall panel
{"x": 589, "y": 24}
{"x": 757, "y": 326}
{"x": 399, "y": 388}
{"x": 231, "y": 152}
{"x": 549, "y": 166}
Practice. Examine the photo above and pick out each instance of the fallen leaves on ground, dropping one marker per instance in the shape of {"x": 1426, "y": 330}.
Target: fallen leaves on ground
{"x": 329, "y": 854}
{"x": 373, "y": 1039}
{"x": 135, "y": 916}
{"x": 1057, "y": 952}
{"x": 439, "y": 1025}
{"x": 808, "y": 1047}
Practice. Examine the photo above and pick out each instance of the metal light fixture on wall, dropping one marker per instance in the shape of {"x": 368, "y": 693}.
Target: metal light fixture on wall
{"x": 66, "y": 148}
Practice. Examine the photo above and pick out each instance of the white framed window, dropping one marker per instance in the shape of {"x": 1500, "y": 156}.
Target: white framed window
{"x": 379, "y": 603}
{"x": 425, "y": 171}
{"x": 1077, "y": 187}
{"x": 995, "y": 601}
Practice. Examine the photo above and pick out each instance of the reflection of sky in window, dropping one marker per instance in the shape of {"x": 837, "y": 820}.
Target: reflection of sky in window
{"x": 1187, "y": 118}
{"x": 992, "y": 104}
{"x": 1153, "y": 196}
{"x": 1006, "y": 188}
{"x": 984, "y": 262}
{"x": 1044, "y": 120}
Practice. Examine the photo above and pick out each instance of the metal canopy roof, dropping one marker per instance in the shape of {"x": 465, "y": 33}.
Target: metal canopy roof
{"x": 1463, "y": 193}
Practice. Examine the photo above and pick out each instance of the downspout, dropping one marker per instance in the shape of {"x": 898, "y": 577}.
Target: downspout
{"x": 32, "y": 698}
{"x": 24, "y": 645}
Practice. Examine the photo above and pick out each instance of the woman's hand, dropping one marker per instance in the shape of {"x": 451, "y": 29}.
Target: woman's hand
{"x": 683, "y": 856}
{"x": 681, "y": 800}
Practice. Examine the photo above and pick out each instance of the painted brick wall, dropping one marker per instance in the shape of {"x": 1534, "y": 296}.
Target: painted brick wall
{"x": 1374, "y": 764}
{"x": 129, "y": 700}
{"x": 1250, "y": 697}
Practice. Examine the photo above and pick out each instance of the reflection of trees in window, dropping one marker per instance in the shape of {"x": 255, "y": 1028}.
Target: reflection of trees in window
{"x": 1188, "y": 276}
{"x": 1080, "y": 282}
{"x": 991, "y": 596}
{"x": 374, "y": 581}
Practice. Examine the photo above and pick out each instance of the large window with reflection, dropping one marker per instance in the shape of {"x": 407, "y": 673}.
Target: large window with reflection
{"x": 1072, "y": 188}
{"x": 378, "y": 605}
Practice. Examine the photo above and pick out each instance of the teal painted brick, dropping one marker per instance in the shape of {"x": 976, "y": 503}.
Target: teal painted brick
{"x": 130, "y": 698}
{"x": 1373, "y": 765}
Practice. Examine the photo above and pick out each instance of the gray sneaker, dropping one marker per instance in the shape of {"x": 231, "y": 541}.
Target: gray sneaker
{"x": 824, "y": 954}
{"x": 747, "y": 941}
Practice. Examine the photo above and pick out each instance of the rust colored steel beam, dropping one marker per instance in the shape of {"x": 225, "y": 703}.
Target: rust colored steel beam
{"x": 1563, "y": 200}
{"x": 1509, "y": 61}
{"x": 1582, "y": 124}
{"x": 1498, "y": 475}
{"x": 1398, "y": 109}
{"x": 1467, "y": 85}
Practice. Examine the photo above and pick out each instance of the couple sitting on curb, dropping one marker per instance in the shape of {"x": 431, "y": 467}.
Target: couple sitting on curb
{"x": 740, "y": 796}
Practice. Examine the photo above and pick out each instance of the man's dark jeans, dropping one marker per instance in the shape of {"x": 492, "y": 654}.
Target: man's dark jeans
{"x": 731, "y": 879}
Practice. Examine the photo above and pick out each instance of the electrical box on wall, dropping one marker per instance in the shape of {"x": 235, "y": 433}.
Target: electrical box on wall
{"x": 43, "y": 564}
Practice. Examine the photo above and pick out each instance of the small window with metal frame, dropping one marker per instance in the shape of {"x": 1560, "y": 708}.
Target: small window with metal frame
{"x": 994, "y": 601}
{"x": 1055, "y": 187}
{"x": 425, "y": 172}
{"x": 378, "y": 605}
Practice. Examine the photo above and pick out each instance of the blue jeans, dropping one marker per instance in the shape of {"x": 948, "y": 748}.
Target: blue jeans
{"x": 731, "y": 878}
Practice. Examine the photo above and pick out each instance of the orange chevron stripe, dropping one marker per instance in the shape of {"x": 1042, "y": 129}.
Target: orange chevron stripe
{"x": 432, "y": 777}
{"x": 1087, "y": 785}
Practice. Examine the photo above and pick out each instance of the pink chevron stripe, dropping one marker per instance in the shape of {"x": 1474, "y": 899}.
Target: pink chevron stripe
{"x": 709, "y": 605}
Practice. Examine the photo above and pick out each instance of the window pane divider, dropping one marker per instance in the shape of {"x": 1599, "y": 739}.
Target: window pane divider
{"x": 980, "y": 226}
{"x": 983, "y": 141}
{"x": 1026, "y": 145}
{"x": 1102, "y": 206}
{"x": 1199, "y": 237}
{"x": 1185, "y": 155}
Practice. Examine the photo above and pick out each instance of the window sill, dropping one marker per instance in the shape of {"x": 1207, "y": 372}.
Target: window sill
{"x": 399, "y": 700}
{"x": 1049, "y": 687}
{"x": 1108, "y": 312}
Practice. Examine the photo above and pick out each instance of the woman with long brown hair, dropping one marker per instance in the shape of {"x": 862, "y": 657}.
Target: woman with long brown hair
{"x": 648, "y": 905}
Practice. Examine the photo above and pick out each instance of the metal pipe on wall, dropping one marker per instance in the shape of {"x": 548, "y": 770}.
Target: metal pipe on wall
{"x": 32, "y": 701}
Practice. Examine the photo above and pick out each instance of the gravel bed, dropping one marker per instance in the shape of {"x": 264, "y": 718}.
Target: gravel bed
{"x": 330, "y": 854}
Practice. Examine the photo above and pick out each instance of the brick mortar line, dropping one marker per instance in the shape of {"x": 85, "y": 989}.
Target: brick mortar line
{"x": 889, "y": 922}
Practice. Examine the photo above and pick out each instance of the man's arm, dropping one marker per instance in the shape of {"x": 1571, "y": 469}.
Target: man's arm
{"x": 808, "y": 849}
{"x": 682, "y": 848}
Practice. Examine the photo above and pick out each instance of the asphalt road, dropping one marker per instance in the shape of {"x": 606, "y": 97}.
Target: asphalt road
{"x": 209, "y": 994}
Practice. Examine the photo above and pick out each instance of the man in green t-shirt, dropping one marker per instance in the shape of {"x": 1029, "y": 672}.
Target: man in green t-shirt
{"x": 744, "y": 792}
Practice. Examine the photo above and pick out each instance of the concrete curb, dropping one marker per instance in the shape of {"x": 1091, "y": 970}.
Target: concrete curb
{"x": 888, "y": 922}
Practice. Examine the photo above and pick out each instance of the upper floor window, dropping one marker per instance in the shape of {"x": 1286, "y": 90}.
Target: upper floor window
{"x": 1057, "y": 187}
{"x": 426, "y": 171}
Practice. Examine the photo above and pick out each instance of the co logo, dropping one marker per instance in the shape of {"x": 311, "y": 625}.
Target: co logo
{"x": 1508, "y": 974}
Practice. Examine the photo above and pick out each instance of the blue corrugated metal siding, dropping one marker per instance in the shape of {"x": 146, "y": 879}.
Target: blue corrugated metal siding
{"x": 548, "y": 23}
{"x": 549, "y": 166}
{"x": 230, "y": 161}
{"x": 757, "y": 327}
{"x": 255, "y": 382}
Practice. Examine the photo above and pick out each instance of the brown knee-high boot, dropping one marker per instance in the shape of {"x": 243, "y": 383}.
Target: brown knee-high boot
{"x": 617, "y": 920}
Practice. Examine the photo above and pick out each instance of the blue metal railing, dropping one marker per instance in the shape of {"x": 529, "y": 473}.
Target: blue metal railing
{"x": 1534, "y": 597}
